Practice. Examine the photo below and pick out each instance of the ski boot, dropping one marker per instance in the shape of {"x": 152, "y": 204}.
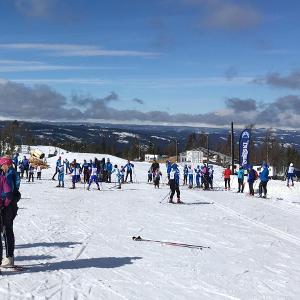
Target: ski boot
{"x": 8, "y": 262}
{"x": 171, "y": 200}
{"x": 179, "y": 201}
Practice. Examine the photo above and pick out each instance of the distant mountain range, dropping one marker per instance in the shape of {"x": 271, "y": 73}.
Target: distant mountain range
{"x": 123, "y": 135}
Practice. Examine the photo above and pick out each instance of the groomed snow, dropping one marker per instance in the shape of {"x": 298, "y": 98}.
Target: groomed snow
{"x": 78, "y": 245}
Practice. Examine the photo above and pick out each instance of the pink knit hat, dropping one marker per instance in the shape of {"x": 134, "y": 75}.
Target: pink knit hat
{"x": 4, "y": 160}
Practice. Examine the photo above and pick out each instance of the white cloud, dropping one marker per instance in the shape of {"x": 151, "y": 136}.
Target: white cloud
{"x": 76, "y": 50}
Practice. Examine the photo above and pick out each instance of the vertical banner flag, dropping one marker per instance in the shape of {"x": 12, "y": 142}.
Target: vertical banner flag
{"x": 244, "y": 148}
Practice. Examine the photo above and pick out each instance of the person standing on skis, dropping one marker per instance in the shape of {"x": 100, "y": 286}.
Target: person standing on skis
{"x": 290, "y": 174}
{"x": 174, "y": 183}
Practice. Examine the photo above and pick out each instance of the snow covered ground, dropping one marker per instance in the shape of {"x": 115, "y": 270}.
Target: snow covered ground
{"x": 77, "y": 243}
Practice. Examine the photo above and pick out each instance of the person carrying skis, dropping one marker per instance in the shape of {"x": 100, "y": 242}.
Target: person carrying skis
{"x": 264, "y": 178}
{"x": 174, "y": 183}
{"x": 226, "y": 175}
{"x": 185, "y": 174}
{"x": 94, "y": 177}
{"x": 108, "y": 168}
{"x": 252, "y": 176}
{"x": 9, "y": 196}
{"x": 156, "y": 178}
{"x": 240, "y": 176}
{"x": 61, "y": 176}
{"x": 290, "y": 174}
{"x": 58, "y": 163}
{"x": 129, "y": 167}
{"x": 191, "y": 177}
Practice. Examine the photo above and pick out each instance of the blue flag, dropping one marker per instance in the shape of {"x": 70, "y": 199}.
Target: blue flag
{"x": 245, "y": 148}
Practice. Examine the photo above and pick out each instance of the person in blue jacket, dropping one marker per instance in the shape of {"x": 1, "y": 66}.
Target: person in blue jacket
{"x": 25, "y": 163}
{"x": 264, "y": 178}
{"x": 252, "y": 176}
{"x": 198, "y": 174}
{"x": 129, "y": 167}
{"x": 16, "y": 161}
{"x": 57, "y": 165}
{"x": 174, "y": 183}
{"x": 108, "y": 168}
{"x": 169, "y": 167}
{"x": 240, "y": 176}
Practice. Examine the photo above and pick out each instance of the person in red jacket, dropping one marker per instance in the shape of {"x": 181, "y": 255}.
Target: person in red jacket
{"x": 226, "y": 175}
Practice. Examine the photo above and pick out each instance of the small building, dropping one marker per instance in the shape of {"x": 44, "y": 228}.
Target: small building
{"x": 192, "y": 156}
{"x": 151, "y": 157}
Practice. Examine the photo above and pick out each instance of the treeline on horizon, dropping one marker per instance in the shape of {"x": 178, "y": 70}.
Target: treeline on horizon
{"x": 270, "y": 150}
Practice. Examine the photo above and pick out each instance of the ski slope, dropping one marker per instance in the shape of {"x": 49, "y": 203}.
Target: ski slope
{"x": 78, "y": 243}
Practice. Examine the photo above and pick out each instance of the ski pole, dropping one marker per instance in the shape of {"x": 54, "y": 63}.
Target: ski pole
{"x": 169, "y": 193}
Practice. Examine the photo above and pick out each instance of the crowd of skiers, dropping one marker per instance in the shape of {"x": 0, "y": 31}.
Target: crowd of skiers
{"x": 92, "y": 171}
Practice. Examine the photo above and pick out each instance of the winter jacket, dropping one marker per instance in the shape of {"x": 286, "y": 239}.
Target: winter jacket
{"x": 129, "y": 166}
{"x": 5, "y": 192}
{"x": 108, "y": 166}
{"x": 291, "y": 171}
{"x": 227, "y": 174}
{"x": 251, "y": 176}
{"x": 169, "y": 167}
{"x": 240, "y": 174}
{"x": 25, "y": 163}
{"x": 264, "y": 174}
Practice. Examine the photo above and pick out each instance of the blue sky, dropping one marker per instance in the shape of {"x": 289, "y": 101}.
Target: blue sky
{"x": 188, "y": 60}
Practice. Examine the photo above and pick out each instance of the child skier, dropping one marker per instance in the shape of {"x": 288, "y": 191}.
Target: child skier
{"x": 119, "y": 176}
{"x": 61, "y": 176}
{"x": 156, "y": 178}
{"x": 290, "y": 174}
{"x": 149, "y": 176}
{"x": 191, "y": 177}
{"x": 31, "y": 173}
{"x": 198, "y": 174}
{"x": 39, "y": 172}
{"x": 174, "y": 183}
{"x": 94, "y": 177}
{"x": 185, "y": 174}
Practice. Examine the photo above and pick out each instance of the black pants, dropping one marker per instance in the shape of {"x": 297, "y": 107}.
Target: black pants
{"x": 6, "y": 224}
{"x": 262, "y": 187}
{"x": 26, "y": 171}
{"x": 130, "y": 173}
{"x": 184, "y": 179}
{"x": 31, "y": 177}
{"x": 109, "y": 176}
{"x": 39, "y": 175}
{"x": 56, "y": 171}
{"x": 227, "y": 181}
{"x": 251, "y": 190}
{"x": 86, "y": 176}
{"x": 241, "y": 185}
{"x": 174, "y": 187}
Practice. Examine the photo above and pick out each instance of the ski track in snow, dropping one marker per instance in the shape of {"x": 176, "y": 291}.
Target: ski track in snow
{"x": 78, "y": 244}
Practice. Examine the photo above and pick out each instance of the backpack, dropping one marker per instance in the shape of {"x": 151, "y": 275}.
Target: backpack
{"x": 255, "y": 175}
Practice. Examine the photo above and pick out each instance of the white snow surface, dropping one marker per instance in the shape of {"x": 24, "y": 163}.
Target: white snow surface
{"x": 78, "y": 243}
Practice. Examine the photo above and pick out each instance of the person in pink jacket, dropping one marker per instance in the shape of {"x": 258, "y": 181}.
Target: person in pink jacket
{"x": 6, "y": 215}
